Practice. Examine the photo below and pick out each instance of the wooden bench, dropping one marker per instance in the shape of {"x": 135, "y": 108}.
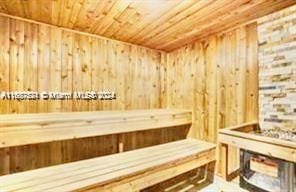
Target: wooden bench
{"x": 16, "y": 130}
{"x": 128, "y": 171}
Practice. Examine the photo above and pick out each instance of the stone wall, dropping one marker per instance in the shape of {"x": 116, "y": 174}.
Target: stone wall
{"x": 277, "y": 69}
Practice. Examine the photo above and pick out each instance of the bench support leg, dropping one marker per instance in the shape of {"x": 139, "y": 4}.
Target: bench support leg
{"x": 224, "y": 162}
{"x": 210, "y": 172}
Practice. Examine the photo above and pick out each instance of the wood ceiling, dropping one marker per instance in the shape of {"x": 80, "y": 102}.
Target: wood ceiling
{"x": 158, "y": 24}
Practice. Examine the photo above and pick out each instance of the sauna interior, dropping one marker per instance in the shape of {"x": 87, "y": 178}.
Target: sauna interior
{"x": 148, "y": 95}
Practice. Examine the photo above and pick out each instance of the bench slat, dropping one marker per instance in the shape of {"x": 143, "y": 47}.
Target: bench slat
{"x": 101, "y": 162}
{"x": 15, "y": 119}
{"x": 109, "y": 169}
{"x": 98, "y": 175}
{"x": 26, "y": 129}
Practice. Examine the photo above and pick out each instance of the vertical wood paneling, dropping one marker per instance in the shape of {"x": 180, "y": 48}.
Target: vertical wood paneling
{"x": 16, "y": 75}
{"x": 4, "y": 61}
{"x": 199, "y": 120}
{"x": 43, "y": 64}
{"x": 96, "y": 71}
{"x": 44, "y": 58}
{"x": 252, "y": 71}
{"x": 55, "y": 85}
{"x": 4, "y": 83}
{"x": 222, "y": 72}
{"x": 55, "y": 67}
{"x": 77, "y": 71}
{"x": 37, "y": 57}
{"x": 163, "y": 81}
{"x": 216, "y": 78}
{"x": 31, "y": 65}
{"x": 67, "y": 68}
{"x": 147, "y": 138}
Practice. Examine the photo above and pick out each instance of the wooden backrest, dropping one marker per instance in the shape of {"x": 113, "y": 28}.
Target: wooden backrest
{"x": 16, "y": 130}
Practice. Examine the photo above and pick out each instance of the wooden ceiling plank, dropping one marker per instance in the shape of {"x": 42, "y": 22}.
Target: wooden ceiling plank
{"x": 87, "y": 10}
{"x": 3, "y": 7}
{"x": 248, "y": 15}
{"x": 141, "y": 16}
{"x": 19, "y": 7}
{"x": 121, "y": 20}
{"x": 13, "y": 7}
{"x": 5, "y": 3}
{"x": 66, "y": 13}
{"x": 177, "y": 9}
{"x": 210, "y": 22}
{"x": 100, "y": 13}
{"x": 31, "y": 6}
{"x": 56, "y": 8}
{"x": 25, "y": 7}
{"x": 80, "y": 15}
{"x": 180, "y": 18}
{"x": 122, "y": 23}
{"x": 147, "y": 17}
{"x": 63, "y": 7}
{"x": 120, "y": 34}
{"x": 115, "y": 11}
{"x": 265, "y": 9}
{"x": 42, "y": 11}
{"x": 259, "y": 10}
{"x": 74, "y": 13}
{"x": 157, "y": 24}
{"x": 212, "y": 11}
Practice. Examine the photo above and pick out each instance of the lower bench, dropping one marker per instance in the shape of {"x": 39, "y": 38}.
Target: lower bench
{"x": 128, "y": 171}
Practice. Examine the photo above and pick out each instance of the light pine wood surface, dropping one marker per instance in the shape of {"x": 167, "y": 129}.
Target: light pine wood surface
{"x": 129, "y": 171}
{"x": 17, "y": 130}
{"x": 158, "y": 24}
{"x": 41, "y": 58}
{"x": 217, "y": 78}
{"x": 215, "y": 75}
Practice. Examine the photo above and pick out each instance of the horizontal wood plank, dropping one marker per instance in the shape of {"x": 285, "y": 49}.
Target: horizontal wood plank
{"x": 116, "y": 171}
{"x": 37, "y": 128}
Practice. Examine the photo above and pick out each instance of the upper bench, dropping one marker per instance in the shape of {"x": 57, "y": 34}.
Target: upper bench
{"x": 23, "y": 129}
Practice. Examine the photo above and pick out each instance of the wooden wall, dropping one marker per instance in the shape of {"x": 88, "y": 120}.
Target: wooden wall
{"x": 218, "y": 79}
{"x": 38, "y": 57}
{"x": 22, "y": 158}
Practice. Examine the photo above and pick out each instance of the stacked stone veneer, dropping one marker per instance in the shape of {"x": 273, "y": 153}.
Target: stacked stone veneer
{"x": 277, "y": 69}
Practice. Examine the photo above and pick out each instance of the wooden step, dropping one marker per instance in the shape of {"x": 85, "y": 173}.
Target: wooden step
{"x": 128, "y": 171}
